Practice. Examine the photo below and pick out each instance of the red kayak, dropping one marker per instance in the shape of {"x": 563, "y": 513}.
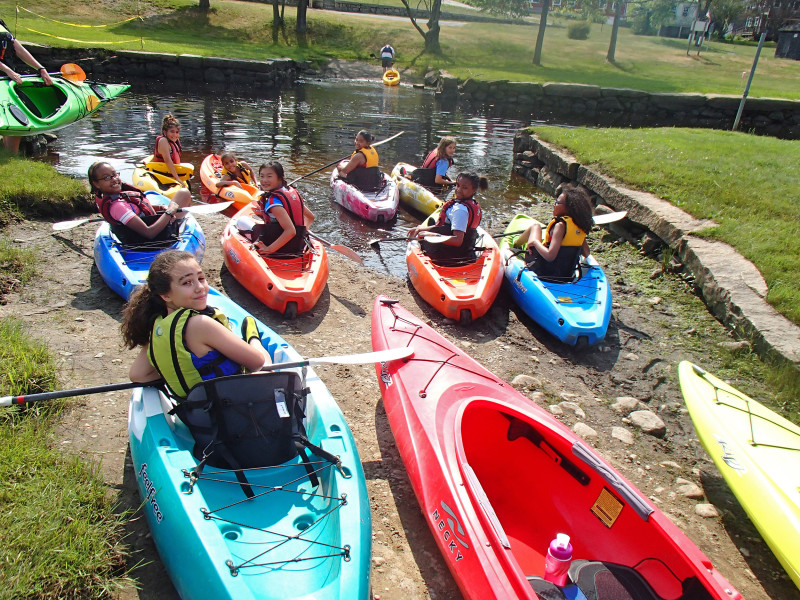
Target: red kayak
{"x": 497, "y": 478}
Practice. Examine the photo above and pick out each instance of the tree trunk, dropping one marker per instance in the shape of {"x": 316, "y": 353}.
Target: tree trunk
{"x": 276, "y": 14}
{"x": 537, "y": 53}
{"x": 612, "y": 45}
{"x": 302, "y": 5}
{"x": 432, "y": 35}
{"x": 205, "y": 5}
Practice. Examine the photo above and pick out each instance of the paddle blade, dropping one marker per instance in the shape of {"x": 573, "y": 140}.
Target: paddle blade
{"x": 207, "y": 209}
{"x": 365, "y": 358}
{"x": 72, "y": 72}
{"x": 348, "y": 252}
{"x": 64, "y": 225}
{"x": 92, "y": 102}
{"x": 609, "y": 217}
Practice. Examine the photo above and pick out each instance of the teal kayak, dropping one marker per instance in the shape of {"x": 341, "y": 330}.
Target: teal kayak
{"x": 32, "y": 107}
{"x": 291, "y": 539}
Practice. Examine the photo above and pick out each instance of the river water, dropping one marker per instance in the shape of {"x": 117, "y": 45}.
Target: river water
{"x": 305, "y": 127}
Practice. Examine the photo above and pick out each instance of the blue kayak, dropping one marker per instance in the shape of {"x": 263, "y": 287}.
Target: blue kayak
{"x": 577, "y": 313}
{"x": 292, "y": 539}
{"x": 123, "y": 268}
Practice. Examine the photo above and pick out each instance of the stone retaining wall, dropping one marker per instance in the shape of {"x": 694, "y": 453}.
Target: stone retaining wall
{"x": 602, "y": 106}
{"x": 173, "y": 72}
{"x": 732, "y": 287}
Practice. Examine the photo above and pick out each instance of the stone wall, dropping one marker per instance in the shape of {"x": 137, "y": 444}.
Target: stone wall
{"x": 731, "y": 286}
{"x": 173, "y": 72}
{"x": 619, "y": 107}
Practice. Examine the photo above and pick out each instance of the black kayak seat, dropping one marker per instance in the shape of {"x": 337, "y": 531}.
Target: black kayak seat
{"x": 600, "y": 580}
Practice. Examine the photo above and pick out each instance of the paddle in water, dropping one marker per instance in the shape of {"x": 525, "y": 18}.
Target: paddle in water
{"x": 344, "y": 359}
{"x": 343, "y": 250}
{"x": 197, "y": 209}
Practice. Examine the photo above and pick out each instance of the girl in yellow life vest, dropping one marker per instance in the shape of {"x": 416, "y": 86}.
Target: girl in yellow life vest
{"x": 182, "y": 339}
{"x": 235, "y": 172}
{"x": 556, "y": 257}
{"x": 361, "y": 169}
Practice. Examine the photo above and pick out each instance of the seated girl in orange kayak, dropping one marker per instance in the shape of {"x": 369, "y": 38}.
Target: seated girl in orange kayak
{"x": 131, "y": 216}
{"x": 285, "y": 216}
{"x": 458, "y": 219}
{"x": 184, "y": 341}
{"x": 556, "y": 257}
{"x": 168, "y": 146}
{"x": 234, "y": 172}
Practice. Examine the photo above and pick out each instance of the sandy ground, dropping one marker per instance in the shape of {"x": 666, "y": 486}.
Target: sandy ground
{"x": 77, "y": 315}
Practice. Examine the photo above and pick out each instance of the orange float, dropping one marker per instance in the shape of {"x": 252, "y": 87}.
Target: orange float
{"x": 289, "y": 285}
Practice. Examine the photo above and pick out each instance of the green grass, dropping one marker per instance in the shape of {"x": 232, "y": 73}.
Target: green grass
{"x": 486, "y": 51}
{"x": 747, "y": 184}
{"x": 61, "y": 536}
{"x": 30, "y": 188}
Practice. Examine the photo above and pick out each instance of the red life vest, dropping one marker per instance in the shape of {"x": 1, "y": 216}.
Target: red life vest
{"x": 292, "y": 202}
{"x": 433, "y": 158}
{"x": 474, "y": 212}
{"x": 130, "y": 194}
{"x": 174, "y": 150}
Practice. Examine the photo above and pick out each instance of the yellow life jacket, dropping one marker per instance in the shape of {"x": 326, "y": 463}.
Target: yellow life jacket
{"x": 562, "y": 268}
{"x": 574, "y": 235}
{"x": 370, "y": 154}
{"x": 173, "y": 360}
{"x": 243, "y": 177}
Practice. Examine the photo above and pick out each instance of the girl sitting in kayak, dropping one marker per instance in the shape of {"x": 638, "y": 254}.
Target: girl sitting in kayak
{"x": 361, "y": 169}
{"x": 555, "y": 258}
{"x": 433, "y": 172}
{"x": 168, "y": 146}
{"x": 234, "y": 172}
{"x": 184, "y": 341}
{"x": 458, "y": 219}
{"x": 285, "y": 216}
{"x": 131, "y": 216}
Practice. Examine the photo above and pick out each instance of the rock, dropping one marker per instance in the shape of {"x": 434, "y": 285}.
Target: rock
{"x": 574, "y": 408}
{"x": 631, "y": 356}
{"x": 670, "y": 464}
{"x": 625, "y": 404}
{"x": 707, "y": 511}
{"x": 735, "y": 346}
{"x": 649, "y": 422}
{"x": 690, "y": 490}
{"x": 526, "y": 381}
{"x": 622, "y": 434}
{"x": 556, "y": 410}
{"x": 378, "y": 561}
{"x": 745, "y": 552}
{"x": 650, "y": 243}
{"x": 691, "y": 331}
{"x": 538, "y": 397}
{"x": 584, "y": 431}
{"x": 657, "y": 273}
{"x": 654, "y": 300}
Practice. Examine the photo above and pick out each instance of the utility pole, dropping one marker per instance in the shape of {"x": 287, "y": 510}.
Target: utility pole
{"x": 749, "y": 81}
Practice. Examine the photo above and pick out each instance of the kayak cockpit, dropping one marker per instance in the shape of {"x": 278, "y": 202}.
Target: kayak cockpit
{"x": 42, "y": 101}
{"x": 528, "y": 481}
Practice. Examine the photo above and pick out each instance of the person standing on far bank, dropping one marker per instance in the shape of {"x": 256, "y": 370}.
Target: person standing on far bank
{"x": 387, "y": 57}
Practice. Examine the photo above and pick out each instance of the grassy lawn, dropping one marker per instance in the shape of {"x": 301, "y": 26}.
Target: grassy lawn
{"x": 61, "y": 537}
{"x": 482, "y": 50}
{"x": 747, "y": 184}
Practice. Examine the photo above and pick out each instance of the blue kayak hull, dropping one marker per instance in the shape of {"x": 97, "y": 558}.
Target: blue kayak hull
{"x": 576, "y": 313}
{"x": 296, "y": 542}
{"x": 124, "y": 269}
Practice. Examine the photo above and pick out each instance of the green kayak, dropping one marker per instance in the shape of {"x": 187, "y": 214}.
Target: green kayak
{"x": 33, "y": 107}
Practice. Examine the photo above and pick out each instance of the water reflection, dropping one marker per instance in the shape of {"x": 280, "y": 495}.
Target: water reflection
{"x": 306, "y": 127}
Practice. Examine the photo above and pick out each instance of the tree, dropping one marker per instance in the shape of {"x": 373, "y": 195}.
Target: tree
{"x": 509, "y": 8}
{"x": 726, "y": 12}
{"x": 205, "y": 5}
{"x": 537, "y": 53}
{"x": 302, "y": 6}
{"x": 612, "y": 45}
{"x": 431, "y": 36}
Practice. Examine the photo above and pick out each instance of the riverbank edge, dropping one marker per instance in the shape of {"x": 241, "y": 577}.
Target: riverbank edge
{"x": 552, "y": 101}
{"x": 731, "y": 286}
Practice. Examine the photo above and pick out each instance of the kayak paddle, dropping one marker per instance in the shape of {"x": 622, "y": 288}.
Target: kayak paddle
{"x": 345, "y": 359}
{"x": 343, "y": 250}
{"x": 197, "y": 209}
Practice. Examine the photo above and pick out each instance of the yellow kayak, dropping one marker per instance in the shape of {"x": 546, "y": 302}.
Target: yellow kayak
{"x": 758, "y": 453}
{"x": 414, "y": 195}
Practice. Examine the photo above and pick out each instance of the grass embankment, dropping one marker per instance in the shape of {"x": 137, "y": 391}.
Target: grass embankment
{"x": 482, "y": 50}
{"x": 61, "y": 538}
{"x": 747, "y": 184}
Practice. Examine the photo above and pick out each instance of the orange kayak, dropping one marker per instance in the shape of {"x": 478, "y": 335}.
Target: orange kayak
{"x": 211, "y": 173}
{"x": 289, "y": 285}
{"x": 460, "y": 292}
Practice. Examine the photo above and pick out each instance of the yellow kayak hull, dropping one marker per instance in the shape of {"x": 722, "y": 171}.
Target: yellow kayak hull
{"x": 757, "y": 452}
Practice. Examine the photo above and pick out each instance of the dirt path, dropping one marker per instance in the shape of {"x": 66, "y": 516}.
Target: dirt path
{"x": 72, "y": 309}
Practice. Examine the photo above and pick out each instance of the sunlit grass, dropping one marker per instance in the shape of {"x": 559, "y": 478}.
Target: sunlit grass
{"x": 487, "y": 51}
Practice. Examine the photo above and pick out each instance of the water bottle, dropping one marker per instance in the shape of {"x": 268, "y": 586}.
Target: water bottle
{"x": 558, "y": 559}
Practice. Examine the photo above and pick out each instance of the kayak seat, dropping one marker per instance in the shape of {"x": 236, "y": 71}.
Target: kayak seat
{"x": 546, "y": 590}
{"x": 42, "y": 101}
{"x": 600, "y": 580}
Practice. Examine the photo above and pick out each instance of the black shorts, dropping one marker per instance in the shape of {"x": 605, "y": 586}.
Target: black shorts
{"x": 387, "y": 61}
